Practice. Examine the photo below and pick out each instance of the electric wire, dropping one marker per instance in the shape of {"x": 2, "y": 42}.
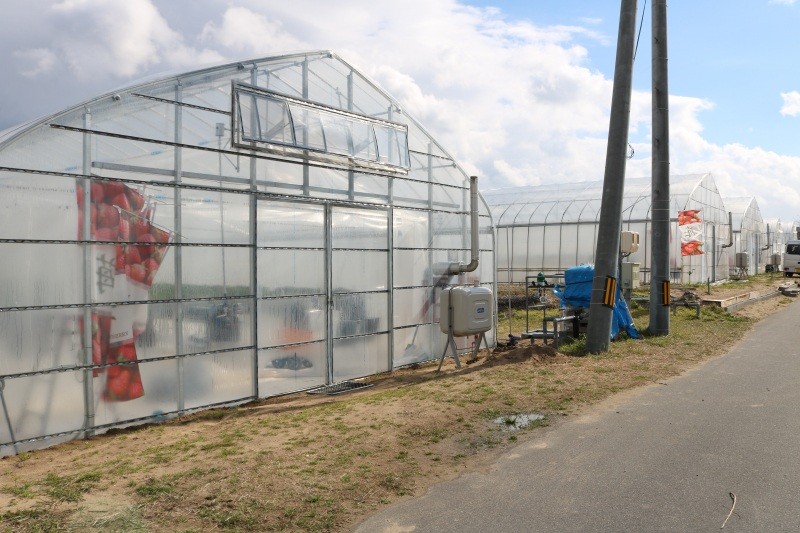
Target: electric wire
{"x": 639, "y": 33}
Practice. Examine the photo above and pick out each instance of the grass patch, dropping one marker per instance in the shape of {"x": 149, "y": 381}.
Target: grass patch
{"x": 154, "y": 488}
{"x": 69, "y": 488}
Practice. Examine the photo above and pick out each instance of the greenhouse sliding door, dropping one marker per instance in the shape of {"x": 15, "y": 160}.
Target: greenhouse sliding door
{"x": 359, "y": 292}
{"x": 292, "y": 296}
{"x": 322, "y": 294}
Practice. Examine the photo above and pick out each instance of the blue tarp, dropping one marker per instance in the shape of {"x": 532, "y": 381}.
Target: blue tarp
{"x": 577, "y": 292}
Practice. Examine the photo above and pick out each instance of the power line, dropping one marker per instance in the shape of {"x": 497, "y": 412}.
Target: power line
{"x": 639, "y": 33}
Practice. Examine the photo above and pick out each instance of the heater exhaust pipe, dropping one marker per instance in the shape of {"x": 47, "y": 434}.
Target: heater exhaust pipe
{"x": 458, "y": 268}
{"x": 730, "y": 231}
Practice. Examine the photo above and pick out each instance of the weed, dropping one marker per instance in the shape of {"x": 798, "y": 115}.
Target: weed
{"x": 392, "y": 482}
{"x": 153, "y": 489}
{"x": 69, "y": 488}
{"x": 35, "y": 519}
{"x": 22, "y": 490}
{"x": 436, "y": 435}
{"x": 236, "y": 516}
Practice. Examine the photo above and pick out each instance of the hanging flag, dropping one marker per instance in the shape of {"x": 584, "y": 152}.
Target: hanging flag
{"x": 125, "y": 265}
{"x": 690, "y": 226}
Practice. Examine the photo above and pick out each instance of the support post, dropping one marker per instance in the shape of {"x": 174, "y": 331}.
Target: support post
{"x": 178, "y": 248}
{"x": 659, "y": 314}
{"x": 599, "y": 330}
{"x": 86, "y": 236}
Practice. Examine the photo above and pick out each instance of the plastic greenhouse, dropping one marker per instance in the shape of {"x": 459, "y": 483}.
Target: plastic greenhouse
{"x": 783, "y": 232}
{"x": 219, "y": 236}
{"x": 549, "y": 228}
{"x": 749, "y": 234}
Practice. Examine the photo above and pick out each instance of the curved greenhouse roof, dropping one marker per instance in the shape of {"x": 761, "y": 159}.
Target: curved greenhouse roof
{"x": 745, "y": 213}
{"x": 217, "y": 236}
{"x": 580, "y": 201}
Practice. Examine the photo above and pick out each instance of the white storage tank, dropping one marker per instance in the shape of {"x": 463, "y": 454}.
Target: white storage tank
{"x": 472, "y": 307}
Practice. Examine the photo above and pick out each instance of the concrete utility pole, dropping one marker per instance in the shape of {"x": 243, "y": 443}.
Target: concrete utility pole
{"x": 599, "y": 331}
{"x": 659, "y": 278}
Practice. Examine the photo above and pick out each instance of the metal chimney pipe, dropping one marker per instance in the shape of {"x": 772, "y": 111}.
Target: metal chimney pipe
{"x": 730, "y": 231}
{"x": 458, "y": 268}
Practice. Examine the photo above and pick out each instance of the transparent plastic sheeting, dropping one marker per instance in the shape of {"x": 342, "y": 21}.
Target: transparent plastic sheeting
{"x": 553, "y": 227}
{"x": 152, "y": 265}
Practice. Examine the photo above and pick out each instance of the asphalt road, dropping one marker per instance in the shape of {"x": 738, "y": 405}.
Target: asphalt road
{"x": 662, "y": 458}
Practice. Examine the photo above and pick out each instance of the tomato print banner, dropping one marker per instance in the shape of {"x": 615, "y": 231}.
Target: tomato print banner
{"x": 124, "y": 270}
{"x": 690, "y": 226}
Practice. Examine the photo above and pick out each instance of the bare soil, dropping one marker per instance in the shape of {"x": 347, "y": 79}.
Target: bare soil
{"x": 323, "y": 463}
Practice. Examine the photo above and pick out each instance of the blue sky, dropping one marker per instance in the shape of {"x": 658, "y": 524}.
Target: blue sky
{"x": 518, "y": 91}
{"x": 739, "y": 54}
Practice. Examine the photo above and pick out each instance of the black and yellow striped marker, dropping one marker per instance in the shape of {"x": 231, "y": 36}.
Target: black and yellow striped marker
{"x": 610, "y": 292}
{"x": 665, "y": 296}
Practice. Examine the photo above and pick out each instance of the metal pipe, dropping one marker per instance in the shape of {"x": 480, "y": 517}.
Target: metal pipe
{"x": 458, "y": 268}
{"x": 86, "y": 236}
{"x": 730, "y": 226}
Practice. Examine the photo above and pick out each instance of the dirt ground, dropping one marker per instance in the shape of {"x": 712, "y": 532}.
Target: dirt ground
{"x": 323, "y": 463}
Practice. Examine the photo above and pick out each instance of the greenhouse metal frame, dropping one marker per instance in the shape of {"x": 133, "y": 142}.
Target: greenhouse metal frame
{"x": 219, "y": 236}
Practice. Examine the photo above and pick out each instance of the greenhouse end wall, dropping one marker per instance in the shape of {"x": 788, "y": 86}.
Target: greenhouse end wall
{"x": 217, "y": 237}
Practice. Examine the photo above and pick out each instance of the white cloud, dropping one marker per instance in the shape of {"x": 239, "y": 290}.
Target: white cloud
{"x": 242, "y": 30}
{"x": 103, "y": 37}
{"x": 791, "y": 104}
{"x": 37, "y": 60}
{"x": 784, "y": 2}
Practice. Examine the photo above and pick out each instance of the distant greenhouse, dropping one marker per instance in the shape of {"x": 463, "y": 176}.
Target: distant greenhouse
{"x": 749, "y": 235}
{"x": 220, "y": 236}
{"x": 782, "y": 232}
{"x": 549, "y": 228}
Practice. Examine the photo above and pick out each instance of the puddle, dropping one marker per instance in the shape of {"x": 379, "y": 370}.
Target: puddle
{"x": 518, "y": 421}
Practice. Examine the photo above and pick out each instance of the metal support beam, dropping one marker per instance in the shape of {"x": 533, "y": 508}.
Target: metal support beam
{"x": 600, "y": 316}
{"x": 254, "y": 255}
{"x": 88, "y": 381}
{"x": 329, "y": 290}
{"x": 306, "y": 170}
{"x": 659, "y": 314}
{"x": 179, "y": 340}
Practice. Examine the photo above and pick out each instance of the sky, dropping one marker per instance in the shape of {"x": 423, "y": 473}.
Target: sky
{"x": 519, "y": 92}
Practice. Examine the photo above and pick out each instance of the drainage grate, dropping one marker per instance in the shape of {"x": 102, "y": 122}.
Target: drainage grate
{"x": 340, "y": 388}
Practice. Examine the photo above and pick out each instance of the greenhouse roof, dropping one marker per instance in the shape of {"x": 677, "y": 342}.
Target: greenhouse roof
{"x": 555, "y": 203}
{"x": 739, "y": 205}
{"x": 745, "y": 212}
{"x": 346, "y": 119}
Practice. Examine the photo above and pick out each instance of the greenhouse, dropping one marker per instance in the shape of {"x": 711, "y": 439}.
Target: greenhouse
{"x": 783, "y": 232}
{"x": 219, "y": 236}
{"x": 549, "y": 228}
{"x": 750, "y": 245}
